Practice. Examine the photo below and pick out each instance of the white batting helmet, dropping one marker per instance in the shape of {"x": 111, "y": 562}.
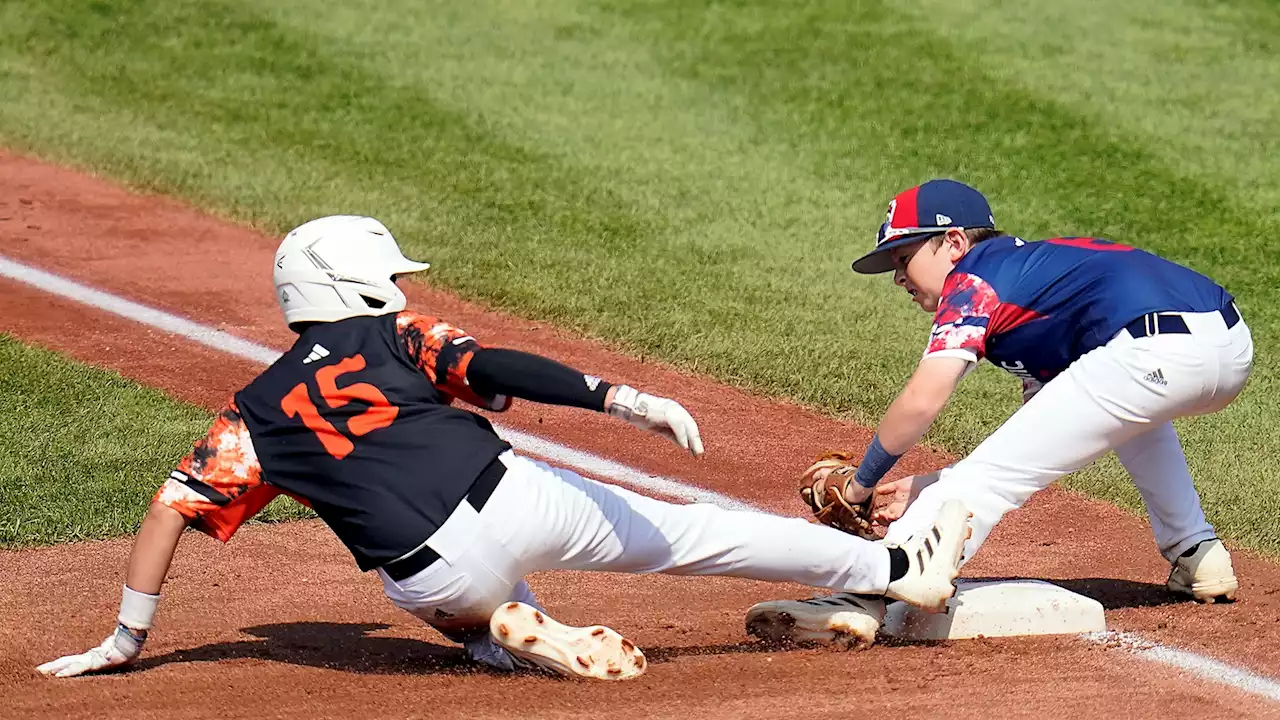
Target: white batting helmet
{"x": 338, "y": 267}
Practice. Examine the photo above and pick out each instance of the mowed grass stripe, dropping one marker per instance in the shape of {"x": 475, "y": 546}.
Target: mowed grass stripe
{"x": 85, "y": 449}
{"x": 1192, "y": 81}
{"x": 1048, "y": 168}
{"x": 683, "y": 180}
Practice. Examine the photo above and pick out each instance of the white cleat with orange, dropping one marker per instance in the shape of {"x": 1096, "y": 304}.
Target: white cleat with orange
{"x": 591, "y": 652}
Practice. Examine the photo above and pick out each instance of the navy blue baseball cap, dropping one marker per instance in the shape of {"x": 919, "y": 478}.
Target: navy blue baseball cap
{"x": 922, "y": 212}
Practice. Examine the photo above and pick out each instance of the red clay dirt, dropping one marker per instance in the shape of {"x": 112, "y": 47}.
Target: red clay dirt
{"x": 280, "y": 623}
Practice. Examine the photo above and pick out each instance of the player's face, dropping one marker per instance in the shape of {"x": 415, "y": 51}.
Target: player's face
{"x": 921, "y": 269}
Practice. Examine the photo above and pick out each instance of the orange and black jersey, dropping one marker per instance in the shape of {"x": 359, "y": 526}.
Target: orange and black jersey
{"x": 356, "y": 421}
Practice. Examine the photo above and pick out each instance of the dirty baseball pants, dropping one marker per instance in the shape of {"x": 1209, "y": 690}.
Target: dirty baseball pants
{"x": 1122, "y": 396}
{"x": 547, "y": 518}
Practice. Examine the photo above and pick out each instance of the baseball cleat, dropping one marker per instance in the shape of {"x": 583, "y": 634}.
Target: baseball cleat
{"x": 592, "y": 652}
{"x": 841, "y": 619}
{"x": 934, "y": 560}
{"x": 1205, "y": 573}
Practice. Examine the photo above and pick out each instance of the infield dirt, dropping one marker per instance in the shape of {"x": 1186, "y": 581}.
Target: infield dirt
{"x": 280, "y": 623}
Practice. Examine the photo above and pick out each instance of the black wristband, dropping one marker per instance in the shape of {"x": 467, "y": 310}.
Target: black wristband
{"x": 499, "y": 371}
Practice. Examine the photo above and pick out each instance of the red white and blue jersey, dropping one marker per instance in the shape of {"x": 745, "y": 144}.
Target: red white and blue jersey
{"x": 1033, "y": 308}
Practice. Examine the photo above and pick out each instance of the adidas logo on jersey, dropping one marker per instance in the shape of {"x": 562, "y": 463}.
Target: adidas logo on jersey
{"x": 318, "y": 352}
{"x": 1156, "y": 376}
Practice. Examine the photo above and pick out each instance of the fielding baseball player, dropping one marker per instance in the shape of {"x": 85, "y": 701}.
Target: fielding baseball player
{"x": 1111, "y": 344}
{"x": 356, "y": 421}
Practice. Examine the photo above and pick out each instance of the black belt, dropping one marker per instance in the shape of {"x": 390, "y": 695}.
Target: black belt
{"x": 476, "y": 497}
{"x": 1158, "y": 323}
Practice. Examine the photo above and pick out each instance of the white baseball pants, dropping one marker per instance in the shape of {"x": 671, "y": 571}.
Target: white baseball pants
{"x": 546, "y": 518}
{"x": 1121, "y": 396}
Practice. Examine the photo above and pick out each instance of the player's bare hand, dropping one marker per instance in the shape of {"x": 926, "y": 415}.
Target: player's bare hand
{"x": 893, "y": 497}
{"x": 118, "y": 649}
{"x": 891, "y": 500}
{"x": 657, "y": 414}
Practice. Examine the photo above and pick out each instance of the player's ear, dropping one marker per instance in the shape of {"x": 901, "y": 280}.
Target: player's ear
{"x": 957, "y": 243}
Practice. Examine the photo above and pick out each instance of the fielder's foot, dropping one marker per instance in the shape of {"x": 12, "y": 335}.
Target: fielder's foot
{"x": 593, "y": 652}
{"x": 934, "y": 558}
{"x": 841, "y": 619}
{"x": 1205, "y": 573}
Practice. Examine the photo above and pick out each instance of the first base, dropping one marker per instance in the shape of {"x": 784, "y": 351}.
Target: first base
{"x": 999, "y": 608}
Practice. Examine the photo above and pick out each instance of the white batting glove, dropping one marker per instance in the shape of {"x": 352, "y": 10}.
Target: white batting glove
{"x": 119, "y": 648}
{"x": 656, "y": 414}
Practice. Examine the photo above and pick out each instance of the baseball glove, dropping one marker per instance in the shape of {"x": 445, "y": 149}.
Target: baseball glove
{"x": 828, "y": 503}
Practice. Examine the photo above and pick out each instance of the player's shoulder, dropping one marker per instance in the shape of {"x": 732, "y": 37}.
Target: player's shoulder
{"x": 416, "y": 318}
{"x": 425, "y": 328}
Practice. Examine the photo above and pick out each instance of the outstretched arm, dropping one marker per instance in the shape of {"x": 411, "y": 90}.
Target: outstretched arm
{"x": 956, "y": 343}
{"x": 153, "y": 549}
{"x": 908, "y": 418}
{"x": 498, "y": 371}
{"x": 489, "y": 377}
{"x": 493, "y": 372}
{"x": 912, "y": 413}
{"x": 148, "y": 564}
{"x": 215, "y": 489}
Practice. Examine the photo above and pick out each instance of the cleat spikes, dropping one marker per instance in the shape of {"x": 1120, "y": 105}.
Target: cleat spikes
{"x": 591, "y": 652}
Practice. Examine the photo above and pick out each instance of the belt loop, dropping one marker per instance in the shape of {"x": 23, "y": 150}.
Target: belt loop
{"x": 1146, "y": 321}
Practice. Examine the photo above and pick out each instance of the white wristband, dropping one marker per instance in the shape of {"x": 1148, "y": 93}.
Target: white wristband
{"x": 137, "y": 610}
{"x": 624, "y": 401}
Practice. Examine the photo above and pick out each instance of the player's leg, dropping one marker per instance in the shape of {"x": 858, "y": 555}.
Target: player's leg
{"x": 480, "y": 644}
{"x": 1158, "y": 467}
{"x": 1058, "y": 431}
{"x": 476, "y": 596}
{"x": 1201, "y": 564}
{"x": 458, "y": 599}
{"x": 1000, "y": 475}
{"x": 1101, "y": 401}
{"x": 566, "y": 521}
{"x": 577, "y": 523}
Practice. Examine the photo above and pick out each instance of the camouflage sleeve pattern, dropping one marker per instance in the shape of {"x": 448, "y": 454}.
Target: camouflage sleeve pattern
{"x": 442, "y": 352}
{"x": 963, "y": 318}
{"x": 218, "y": 485}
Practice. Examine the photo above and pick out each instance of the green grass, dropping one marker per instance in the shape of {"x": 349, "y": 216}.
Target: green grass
{"x": 85, "y": 449}
{"x": 689, "y": 180}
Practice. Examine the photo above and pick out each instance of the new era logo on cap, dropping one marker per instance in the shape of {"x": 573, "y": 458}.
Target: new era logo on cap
{"x": 921, "y": 212}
